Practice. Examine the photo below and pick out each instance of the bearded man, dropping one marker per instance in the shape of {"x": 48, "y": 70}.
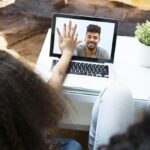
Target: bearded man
{"x": 90, "y": 48}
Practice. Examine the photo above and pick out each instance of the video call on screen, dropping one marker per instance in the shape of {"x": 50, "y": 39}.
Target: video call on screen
{"x": 106, "y": 35}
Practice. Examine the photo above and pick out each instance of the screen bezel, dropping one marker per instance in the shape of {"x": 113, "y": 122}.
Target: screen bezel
{"x": 88, "y": 18}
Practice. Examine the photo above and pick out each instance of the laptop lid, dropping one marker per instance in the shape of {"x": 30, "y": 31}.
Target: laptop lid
{"x": 108, "y": 34}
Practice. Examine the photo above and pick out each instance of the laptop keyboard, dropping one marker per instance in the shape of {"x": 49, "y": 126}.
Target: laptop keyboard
{"x": 80, "y": 68}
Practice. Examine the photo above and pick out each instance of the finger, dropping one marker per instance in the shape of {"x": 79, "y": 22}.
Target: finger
{"x": 69, "y": 28}
{"x": 58, "y": 32}
{"x": 64, "y": 32}
{"x": 73, "y": 31}
{"x": 76, "y": 37}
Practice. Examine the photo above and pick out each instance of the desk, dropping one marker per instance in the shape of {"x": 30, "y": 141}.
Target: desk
{"x": 128, "y": 72}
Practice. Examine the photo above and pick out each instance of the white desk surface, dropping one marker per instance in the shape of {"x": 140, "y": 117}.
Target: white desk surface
{"x": 128, "y": 71}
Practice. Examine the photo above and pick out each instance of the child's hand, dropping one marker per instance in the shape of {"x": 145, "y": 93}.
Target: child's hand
{"x": 68, "y": 39}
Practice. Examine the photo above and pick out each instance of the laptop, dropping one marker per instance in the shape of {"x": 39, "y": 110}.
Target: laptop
{"x": 80, "y": 80}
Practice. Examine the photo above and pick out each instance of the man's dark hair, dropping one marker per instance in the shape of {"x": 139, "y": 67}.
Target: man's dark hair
{"x": 137, "y": 137}
{"x": 28, "y": 106}
{"x": 93, "y": 28}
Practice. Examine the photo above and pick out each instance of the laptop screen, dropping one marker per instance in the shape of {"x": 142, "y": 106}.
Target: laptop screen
{"x": 95, "y": 33}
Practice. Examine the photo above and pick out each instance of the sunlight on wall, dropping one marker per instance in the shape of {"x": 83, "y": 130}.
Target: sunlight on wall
{"x": 3, "y": 42}
{"x": 4, "y": 3}
{"x": 141, "y": 4}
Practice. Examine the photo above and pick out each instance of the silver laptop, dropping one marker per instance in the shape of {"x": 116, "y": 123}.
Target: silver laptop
{"x": 87, "y": 72}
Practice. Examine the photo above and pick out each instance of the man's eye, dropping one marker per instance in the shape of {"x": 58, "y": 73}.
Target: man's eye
{"x": 95, "y": 38}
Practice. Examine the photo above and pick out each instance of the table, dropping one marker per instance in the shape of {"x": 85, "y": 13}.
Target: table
{"x": 127, "y": 69}
{"x": 128, "y": 72}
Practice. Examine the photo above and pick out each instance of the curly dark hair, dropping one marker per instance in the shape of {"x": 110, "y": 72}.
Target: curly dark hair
{"x": 137, "y": 137}
{"x": 28, "y": 106}
{"x": 93, "y": 28}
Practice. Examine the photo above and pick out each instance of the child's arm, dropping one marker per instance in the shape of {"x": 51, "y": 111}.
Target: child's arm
{"x": 67, "y": 42}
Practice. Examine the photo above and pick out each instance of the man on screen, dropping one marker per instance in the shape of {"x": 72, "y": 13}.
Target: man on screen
{"x": 90, "y": 48}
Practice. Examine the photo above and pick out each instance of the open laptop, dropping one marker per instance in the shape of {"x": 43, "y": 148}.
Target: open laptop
{"x": 80, "y": 80}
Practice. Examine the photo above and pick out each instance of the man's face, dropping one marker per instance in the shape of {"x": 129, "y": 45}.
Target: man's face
{"x": 92, "y": 39}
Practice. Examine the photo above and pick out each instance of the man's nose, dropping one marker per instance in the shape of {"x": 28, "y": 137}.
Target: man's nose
{"x": 91, "y": 39}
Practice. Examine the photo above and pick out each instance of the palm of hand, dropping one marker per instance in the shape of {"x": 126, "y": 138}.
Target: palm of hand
{"x": 67, "y": 43}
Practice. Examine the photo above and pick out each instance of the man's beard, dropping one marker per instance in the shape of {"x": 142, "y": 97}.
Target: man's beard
{"x": 91, "y": 47}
